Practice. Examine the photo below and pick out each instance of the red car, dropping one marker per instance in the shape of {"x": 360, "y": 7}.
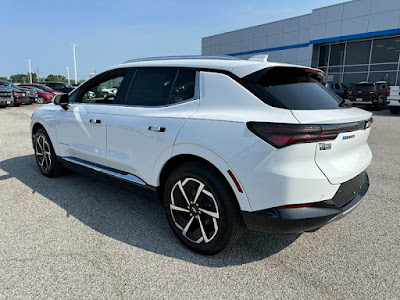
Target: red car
{"x": 42, "y": 87}
{"x": 43, "y": 96}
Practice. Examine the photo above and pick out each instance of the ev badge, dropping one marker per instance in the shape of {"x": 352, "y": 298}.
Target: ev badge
{"x": 325, "y": 146}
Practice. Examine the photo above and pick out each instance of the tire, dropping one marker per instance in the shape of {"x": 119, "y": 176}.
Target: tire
{"x": 379, "y": 104}
{"x": 40, "y": 100}
{"x": 394, "y": 109}
{"x": 209, "y": 219}
{"x": 45, "y": 156}
{"x": 16, "y": 105}
{"x": 105, "y": 95}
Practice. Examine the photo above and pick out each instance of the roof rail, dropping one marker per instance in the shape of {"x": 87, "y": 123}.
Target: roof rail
{"x": 216, "y": 57}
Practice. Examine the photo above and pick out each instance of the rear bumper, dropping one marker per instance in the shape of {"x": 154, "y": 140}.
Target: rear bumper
{"x": 295, "y": 220}
{"x": 356, "y": 103}
{"x": 394, "y": 102}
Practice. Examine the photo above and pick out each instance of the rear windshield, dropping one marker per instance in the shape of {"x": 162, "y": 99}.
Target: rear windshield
{"x": 292, "y": 88}
{"x": 364, "y": 87}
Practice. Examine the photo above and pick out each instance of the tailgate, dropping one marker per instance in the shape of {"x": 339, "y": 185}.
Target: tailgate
{"x": 349, "y": 154}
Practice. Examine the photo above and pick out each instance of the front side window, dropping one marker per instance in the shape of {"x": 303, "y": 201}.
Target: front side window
{"x": 161, "y": 86}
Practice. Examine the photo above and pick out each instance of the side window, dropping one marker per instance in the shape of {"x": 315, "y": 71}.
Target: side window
{"x": 184, "y": 87}
{"x": 151, "y": 86}
{"x": 106, "y": 88}
{"x": 103, "y": 92}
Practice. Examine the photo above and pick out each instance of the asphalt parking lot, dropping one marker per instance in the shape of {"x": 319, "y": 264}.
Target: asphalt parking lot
{"x": 83, "y": 236}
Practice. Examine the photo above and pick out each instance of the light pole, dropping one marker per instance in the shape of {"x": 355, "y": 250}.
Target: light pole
{"x": 68, "y": 75}
{"x": 30, "y": 71}
{"x": 73, "y": 51}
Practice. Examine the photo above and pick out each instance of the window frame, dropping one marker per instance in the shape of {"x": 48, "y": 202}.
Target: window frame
{"x": 196, "y": 88}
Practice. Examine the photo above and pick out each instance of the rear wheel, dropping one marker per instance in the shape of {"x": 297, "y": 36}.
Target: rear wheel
{"x": 202, "y": 210}
{"x": 394, "y": 109}
{"x": 40, "y": 100}
{"x": 45, "y": 155}
{"x": 378, "y": 105}
{"x": 16, "y": 104}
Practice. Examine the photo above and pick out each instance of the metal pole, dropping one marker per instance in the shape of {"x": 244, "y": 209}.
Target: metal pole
{"x": 73, "y": 51}
{"x": 68, "y": 75}
{"x": 30, "y": 71}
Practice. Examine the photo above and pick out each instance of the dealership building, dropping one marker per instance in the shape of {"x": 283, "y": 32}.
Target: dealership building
{"x": 351, "y": 42}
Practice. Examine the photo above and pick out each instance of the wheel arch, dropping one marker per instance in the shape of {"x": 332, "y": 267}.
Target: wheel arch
{"x": 180, "y": 157}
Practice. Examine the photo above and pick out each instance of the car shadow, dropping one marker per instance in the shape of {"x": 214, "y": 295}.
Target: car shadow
{"x": 131, "y": 214}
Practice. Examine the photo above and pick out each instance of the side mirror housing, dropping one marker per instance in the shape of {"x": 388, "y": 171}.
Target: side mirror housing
{"x": 62, "y": 100}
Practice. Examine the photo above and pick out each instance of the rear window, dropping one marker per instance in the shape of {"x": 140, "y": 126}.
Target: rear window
{"x": 365, "y": 87}
{"x": 292, "y": 88}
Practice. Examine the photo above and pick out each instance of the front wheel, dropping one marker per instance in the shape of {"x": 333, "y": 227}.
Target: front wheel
{"x": 202, "y": 209}
{"x": 378, "y": 105}
{"x": 45, "y": 156}
{"x": 40, "y": 100}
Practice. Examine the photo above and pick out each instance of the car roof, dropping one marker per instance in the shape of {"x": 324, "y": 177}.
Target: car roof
{"x": 238, "y": 67}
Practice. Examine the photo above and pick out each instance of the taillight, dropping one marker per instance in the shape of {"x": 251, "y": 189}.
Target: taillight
{"x": 16, "y": 94}
{"x": 374, "y": 92}
{"x": 282, "y": 135}
{"x": 388, "y": 94}
{"x": 295, "y": 206}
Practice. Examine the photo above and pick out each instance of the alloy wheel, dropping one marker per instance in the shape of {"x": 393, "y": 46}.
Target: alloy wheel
{"x": 43, "y": 153}
{"x": 194, "y": 210}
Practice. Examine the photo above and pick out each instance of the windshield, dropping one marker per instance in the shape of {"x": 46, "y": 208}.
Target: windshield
{"x": 45, "y": 87}
{"x": 294, "y": 89}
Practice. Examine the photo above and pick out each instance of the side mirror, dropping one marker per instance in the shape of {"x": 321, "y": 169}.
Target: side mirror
{"x": 62, "y": 100}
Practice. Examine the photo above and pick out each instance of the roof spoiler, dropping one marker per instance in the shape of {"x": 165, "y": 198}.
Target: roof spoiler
{"x": 259, "y": 57}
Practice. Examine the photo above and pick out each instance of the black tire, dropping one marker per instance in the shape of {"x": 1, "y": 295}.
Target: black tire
{"x": 16, "y": 105}
{"x": 40, "y": 100}
{"x": 45, "y": 156}
{"x": 206, "y": 234}
{"x": 394, "y": 109}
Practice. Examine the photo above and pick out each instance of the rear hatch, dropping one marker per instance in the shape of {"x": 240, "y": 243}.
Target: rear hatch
{"x": 364, "y": 92}
{"x": 341, "y": 151}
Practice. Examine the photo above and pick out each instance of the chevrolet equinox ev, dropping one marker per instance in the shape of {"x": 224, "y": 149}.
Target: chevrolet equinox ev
{"x": 227, "y": 144}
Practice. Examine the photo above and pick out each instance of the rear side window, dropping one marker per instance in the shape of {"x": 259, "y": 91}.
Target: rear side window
{"x": 292, "y": 88}
{"x": 161, "y": 86}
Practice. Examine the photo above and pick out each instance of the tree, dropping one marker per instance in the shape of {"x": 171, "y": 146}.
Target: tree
{"x": 22, "y": 78}
{"x": 3, "y": 78}
{"x": 53, "y": 77}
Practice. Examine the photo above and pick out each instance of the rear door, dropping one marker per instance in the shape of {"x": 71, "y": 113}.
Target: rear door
{"x": 142, "y": 131}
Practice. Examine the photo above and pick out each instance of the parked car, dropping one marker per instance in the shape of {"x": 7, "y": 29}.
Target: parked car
{"x": 59, "y": 86}
{"x": 226, "y": 144}
{"x": 43, "y": 87}
{"x": 338, "y": 88}
{"x": 394, "y": 99}
{"x": 6, "y": 97}
{"x": 42, "y": 96}
{"x": 369, "y": 94}
{"x": 20, "y": 96}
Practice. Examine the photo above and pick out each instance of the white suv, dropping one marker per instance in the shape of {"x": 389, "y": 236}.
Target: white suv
{"x": 226, "y": 143}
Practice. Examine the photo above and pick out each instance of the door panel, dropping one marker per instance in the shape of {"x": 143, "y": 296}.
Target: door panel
{"x": 79, "y": 134}
{"x": 138, "y": 136}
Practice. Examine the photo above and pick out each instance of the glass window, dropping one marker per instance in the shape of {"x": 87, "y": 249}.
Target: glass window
{"x": 323, "y": 56}
{"x": 335, "y": 69}
{"x": 151, "y": 86}
{"x": 358, "y": 53}
{"x": 103, "y": 89}
{"x": 184, "y": 87}
{"x": 293, "y": 88}
{"x": 382, "y": 76}
{"x": 353, "y": 78}
{"x": 386, "y": 50}
{"x": 337, "y": 55}
{"x": 384, "y": 67}
{"x": 356, "y": 69}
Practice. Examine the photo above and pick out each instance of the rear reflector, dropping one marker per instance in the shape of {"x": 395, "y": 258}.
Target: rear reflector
{"x": 295, "y": 206}
{"x": 235, "y": 181}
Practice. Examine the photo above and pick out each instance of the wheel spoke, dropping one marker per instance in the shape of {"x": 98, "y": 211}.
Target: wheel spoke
{"x": 38, "y": 153}
{"x": 199, "y": 190}
{"x": 174, "y": 207}
{"x": 42, "y": 162}
{"x": 203, "y": 233}
{"x": 185, "y": 230}
{"x": 215, "y": 215}
{"x": 183, "y": 192}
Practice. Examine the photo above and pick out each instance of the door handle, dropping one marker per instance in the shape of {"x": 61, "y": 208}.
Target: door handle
{"x": 157, "y": 128}
{"x": 94, "y": 121}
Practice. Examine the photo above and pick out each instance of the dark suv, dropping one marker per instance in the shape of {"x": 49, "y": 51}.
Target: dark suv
{"x": 369, "y": 94}
{"x": 59, "y": 86}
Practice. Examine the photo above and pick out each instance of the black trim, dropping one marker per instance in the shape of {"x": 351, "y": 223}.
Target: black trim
{"x": 296, "y": 220}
